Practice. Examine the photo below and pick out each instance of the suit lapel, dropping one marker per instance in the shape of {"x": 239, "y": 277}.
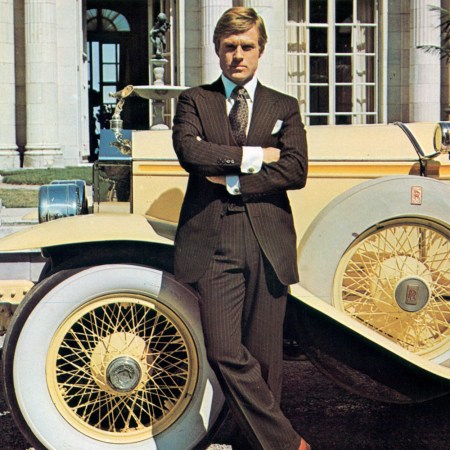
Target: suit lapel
{"x": 263, "y": 115}
{"x": 214, "y": 113}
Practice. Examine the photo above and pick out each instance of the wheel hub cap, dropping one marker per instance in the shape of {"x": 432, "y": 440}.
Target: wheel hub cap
{"x": 412, "y": 294}
{"x": 123, "y": 374}
{"x": 119, "y": 363}
{"x": 398, "y": 277}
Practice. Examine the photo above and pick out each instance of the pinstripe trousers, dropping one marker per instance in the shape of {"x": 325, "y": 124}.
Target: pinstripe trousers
{"x": 242, "y": 306}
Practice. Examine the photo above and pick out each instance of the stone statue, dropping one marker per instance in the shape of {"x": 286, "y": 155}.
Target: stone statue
{"x": 157, "y": 35}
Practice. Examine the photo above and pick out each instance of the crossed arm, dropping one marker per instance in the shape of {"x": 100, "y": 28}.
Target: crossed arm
{"x": 269, "y": 155}
{"x": 284, "y": 164}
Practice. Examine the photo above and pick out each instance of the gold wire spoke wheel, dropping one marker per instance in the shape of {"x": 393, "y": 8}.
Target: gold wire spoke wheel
{"x": 122, "y": 368}
{"x": 395, "y": 279}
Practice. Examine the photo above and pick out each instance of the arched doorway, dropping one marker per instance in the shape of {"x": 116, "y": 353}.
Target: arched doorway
{"x": 117, "y": 52}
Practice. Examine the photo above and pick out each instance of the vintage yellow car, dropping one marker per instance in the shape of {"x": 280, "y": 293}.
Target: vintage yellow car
{"x": 105, "y": 348}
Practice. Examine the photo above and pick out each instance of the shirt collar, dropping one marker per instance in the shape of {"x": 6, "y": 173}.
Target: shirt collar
{"x": 250, "y": 87}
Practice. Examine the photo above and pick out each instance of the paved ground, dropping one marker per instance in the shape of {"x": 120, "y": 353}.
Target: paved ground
{"x": 16, "y": 219}
{"x": 329, "y": 417}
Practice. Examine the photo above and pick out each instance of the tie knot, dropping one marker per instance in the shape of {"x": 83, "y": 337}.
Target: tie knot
{"x": 239, "y": 91}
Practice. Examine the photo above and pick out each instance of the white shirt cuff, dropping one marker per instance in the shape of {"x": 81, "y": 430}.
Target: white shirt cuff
{"x": 252, "y": 159}
{"x": 233, "y": 184}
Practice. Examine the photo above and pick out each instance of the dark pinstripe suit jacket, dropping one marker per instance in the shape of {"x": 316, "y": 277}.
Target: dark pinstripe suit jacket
{"x": 205, "y": 147}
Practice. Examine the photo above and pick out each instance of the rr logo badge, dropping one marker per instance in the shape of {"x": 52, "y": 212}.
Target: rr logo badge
{"x": 412, "y": 291}
{"x": 416, "y": 195}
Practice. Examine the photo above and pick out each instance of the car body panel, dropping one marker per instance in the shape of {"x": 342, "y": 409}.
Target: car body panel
{"x": 83, "y": 229}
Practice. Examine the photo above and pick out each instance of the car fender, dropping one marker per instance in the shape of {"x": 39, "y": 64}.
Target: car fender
{"x": 355, "y": 211}
{"x": 83, "y": 229}
{"x": 329, "y": 335}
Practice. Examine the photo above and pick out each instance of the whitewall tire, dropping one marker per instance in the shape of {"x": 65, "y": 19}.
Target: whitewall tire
{"x": 109, "y": 357}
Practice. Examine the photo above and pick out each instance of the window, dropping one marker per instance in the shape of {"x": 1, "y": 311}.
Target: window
{"x": 104, "y": 62}
{"x": 104, "y": 57}
{"x": 107, "y": 31}
{"x": 332, "y": 60}
{"x": 106, "y": 20}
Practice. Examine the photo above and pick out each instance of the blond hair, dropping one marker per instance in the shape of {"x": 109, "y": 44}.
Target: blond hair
{"x": 239, "y": 20}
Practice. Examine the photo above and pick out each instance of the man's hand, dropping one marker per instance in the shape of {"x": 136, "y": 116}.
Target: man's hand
{"x": 219, "y": 179}
{"x": 270, "y": 155}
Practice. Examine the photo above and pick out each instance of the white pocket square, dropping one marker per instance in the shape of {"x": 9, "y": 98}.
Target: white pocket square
{"x": 277, "y": 127}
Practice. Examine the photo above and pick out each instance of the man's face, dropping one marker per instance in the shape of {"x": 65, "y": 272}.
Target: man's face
{"x": 239, "y": 55}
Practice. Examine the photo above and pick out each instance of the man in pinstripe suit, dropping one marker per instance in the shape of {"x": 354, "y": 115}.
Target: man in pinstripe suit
{"x": 236, "y": 243}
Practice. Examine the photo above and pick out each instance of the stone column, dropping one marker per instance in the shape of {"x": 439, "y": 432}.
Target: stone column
{"x": 42, "y": 148}
{"x": 272, "y": 69}
{"x": 211, "y": 12}
{"x": 425, "y": 68}
{"x": 9, "y": 157}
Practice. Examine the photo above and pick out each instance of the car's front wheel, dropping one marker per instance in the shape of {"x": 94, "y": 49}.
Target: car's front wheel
{"x": 108, "y": 357}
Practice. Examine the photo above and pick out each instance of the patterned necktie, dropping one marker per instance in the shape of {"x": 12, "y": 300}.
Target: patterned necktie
{"x": 239, "y": 115}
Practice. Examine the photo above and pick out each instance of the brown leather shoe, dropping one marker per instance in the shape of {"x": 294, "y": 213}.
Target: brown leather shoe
{"x": 304, "y": 445}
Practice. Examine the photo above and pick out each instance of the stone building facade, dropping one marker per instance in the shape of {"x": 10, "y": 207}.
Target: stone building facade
{"x": 44, "y": 100}
{"x": 347, "y": 61}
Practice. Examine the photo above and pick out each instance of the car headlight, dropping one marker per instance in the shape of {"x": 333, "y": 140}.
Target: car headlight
{"x": 442, "y": 137}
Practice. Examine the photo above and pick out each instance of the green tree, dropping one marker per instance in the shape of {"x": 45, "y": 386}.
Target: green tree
{"x": 444, "y": 49}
